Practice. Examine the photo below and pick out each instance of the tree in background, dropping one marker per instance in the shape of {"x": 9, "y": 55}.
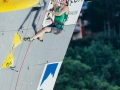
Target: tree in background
{"x": 104, "y": 15}
{"x": 92, "y": 63}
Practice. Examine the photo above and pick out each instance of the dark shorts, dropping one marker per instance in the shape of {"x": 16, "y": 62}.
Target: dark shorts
{"x": 54, "y": 29}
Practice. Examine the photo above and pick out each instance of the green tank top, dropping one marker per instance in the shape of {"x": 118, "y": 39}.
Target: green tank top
{"x": 60, "y": 19}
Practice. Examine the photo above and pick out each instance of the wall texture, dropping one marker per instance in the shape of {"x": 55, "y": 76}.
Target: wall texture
{"x": 52, "y": 49}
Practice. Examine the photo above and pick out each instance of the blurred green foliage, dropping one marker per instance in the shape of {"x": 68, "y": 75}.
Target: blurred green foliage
{"x": 91, "y": 63}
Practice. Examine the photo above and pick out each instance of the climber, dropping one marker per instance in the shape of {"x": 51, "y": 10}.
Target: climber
{"x": 61, "y": 15}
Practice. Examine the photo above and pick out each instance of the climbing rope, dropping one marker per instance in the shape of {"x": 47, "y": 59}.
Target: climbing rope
{"x": 22, "y": 66}
{"x": 25, "y": 56}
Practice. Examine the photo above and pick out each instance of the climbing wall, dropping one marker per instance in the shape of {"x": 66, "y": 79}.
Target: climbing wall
{"x": 27, "y": 65}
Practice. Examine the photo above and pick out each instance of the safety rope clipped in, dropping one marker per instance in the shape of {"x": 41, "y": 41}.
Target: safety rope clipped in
{"x": 54, "y": 23}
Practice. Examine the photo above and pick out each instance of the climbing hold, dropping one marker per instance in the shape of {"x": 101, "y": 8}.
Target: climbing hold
{"x": 12, "y": 5}
{"x": 8, "y": 61}
{"x": 17, "y": 40}
{"x": 6, "y": 0}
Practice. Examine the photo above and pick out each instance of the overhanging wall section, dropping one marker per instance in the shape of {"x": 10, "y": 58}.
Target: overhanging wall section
{"x": 51, "y": 50}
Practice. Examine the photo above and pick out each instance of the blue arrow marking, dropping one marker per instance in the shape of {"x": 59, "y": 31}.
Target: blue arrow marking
{"x": 50, "y": 69}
